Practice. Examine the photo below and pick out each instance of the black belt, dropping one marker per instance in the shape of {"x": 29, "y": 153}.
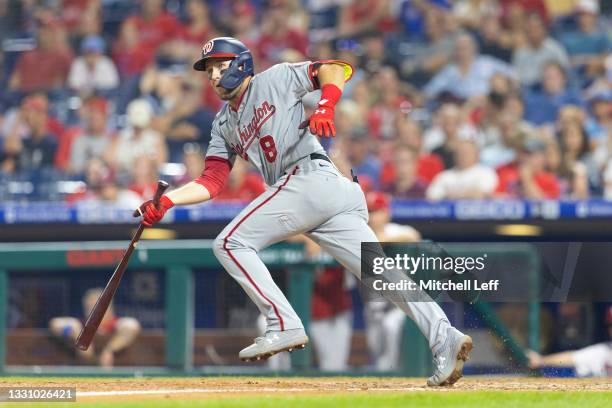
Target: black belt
{"x": 319, "y": 156}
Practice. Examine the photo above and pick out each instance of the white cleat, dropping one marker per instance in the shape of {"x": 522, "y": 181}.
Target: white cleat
{"x": 274, "y": 342}
{"x": 448, "y": 363}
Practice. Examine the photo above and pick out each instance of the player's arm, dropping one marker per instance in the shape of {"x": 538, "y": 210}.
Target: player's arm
{"x": 330, "y": 77}
{"x": 204, "y": 188}
{"x": 562, "y": 359}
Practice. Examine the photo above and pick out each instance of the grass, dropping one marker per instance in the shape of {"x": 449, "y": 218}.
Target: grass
{"x": 475, "y": 399}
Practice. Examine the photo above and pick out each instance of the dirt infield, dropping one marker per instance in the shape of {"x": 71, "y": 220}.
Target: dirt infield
{"x": 218, "y": 387}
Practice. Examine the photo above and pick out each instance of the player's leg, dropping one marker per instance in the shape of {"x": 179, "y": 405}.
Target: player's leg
{"x": 341, "y": 236}
{"x": 282, "y": 211}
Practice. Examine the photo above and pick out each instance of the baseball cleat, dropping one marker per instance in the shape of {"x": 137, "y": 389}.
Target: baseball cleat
{"x": 274, "y": 342}
{"x": 448, "y": 363}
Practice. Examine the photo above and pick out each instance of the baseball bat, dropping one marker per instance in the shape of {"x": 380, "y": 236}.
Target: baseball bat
{"x": 97, "y": 313}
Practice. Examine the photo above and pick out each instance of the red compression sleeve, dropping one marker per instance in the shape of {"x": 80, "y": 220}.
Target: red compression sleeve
{"x": 214, "y": 176}
{"x": 330, "y": 95}
{"x": 166, "y": 202}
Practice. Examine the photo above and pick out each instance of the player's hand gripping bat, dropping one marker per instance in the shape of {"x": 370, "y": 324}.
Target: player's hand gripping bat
{"x": 95, "y": 317}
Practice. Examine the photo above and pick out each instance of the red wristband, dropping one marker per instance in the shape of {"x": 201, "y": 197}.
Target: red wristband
{"x": 166, "y": 202}
{"x": 330, "y": 95}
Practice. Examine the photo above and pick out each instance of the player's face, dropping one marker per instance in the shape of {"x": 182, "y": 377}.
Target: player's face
{"x": 215, "y": 68}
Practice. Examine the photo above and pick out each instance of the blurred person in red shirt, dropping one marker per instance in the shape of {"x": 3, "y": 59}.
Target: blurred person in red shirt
{"x": 129, "y": 54}
{"x": 242, "y": 185}
{"x": 406, "y": 182}
{"x": 359, "y": 16}
{"x": 46, "y": 67}
{"x": 382, "y": 116}
{"x": 199, "y": 25}
{"x": 154, "y": 25}
{"x": 528, "y": 177}
{"x": 409, "y": 134}
{"x": 277, "y": 36}
{"x": 144, "y": 177}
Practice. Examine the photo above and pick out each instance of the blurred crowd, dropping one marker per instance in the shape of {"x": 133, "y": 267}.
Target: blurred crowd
{"x": 451, "y": 99}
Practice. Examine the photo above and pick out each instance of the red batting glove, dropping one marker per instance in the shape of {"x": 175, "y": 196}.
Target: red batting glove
{"x": 321, "y": 122}
{"x": 151, "y": 214}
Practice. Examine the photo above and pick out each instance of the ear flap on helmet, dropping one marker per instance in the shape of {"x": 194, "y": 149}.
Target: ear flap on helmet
{"x": 240, "y": 68}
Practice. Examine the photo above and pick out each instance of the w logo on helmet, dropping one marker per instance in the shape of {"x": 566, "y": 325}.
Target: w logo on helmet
{"x": 208, "y": 47}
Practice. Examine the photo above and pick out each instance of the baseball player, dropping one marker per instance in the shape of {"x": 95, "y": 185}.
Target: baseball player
{"x": 263, "y": 121}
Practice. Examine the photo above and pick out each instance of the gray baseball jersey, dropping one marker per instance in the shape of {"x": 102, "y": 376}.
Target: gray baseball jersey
{"x": 264, "y": 129}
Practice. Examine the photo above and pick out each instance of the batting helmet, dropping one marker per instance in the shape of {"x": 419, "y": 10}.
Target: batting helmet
{"x": 228, "y": 47}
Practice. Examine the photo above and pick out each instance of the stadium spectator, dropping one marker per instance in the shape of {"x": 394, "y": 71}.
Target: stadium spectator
{"x": 92, "y": 71}
{"x": 46, "y": 67}
{"x": 404, "y": 182}
{"x": 144, "y": 177}
{"x": 410, "y": 15}
{"x": 101, "y": 187}
{"x": 30, "y": 145}
{"x": 242, "y": 184}
{"x": 527, "y": 177}
{"x": 137, "y": 139}
{"x": 493, "y": 40}
{"x": 73, "y": 12}
{"x": 193, "y": 163}
{"x": 361, "y": 16}
{"x": 467, "y": 180}
{"x": 122, "y": 331}
{"x": 278, "y": 36}
{"x": 358, "y": 152}
{"x": 390, "y": 102}
{"x": 589, "y": 44}
{"x": 512, "y": 134}
{"x": 198, "y": 28}
{"x": 155, "y": 27}
{"x": 348, "y": 115}
{"x": 423, "y": 59}
{"x": 529, "y": 59}
{"x": 575, "y": 153}
{"x": 600, "y": 123}
{"x": 513, "y": 12}
{"x": 446, "y": 124}
{"x": 129, "y": 53}
{"x": 469, "y": 73}
{"x": 94, "y": 139}
{"x": 244, "y": 23}
{"x": 180, "y": 115}
{"x": 542, "y": 107}
{"x": 409, "y": 134}
{"x": 375, "y": 53}
{"x": 471, "y": 14}
{"x": 450, "y": 126}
